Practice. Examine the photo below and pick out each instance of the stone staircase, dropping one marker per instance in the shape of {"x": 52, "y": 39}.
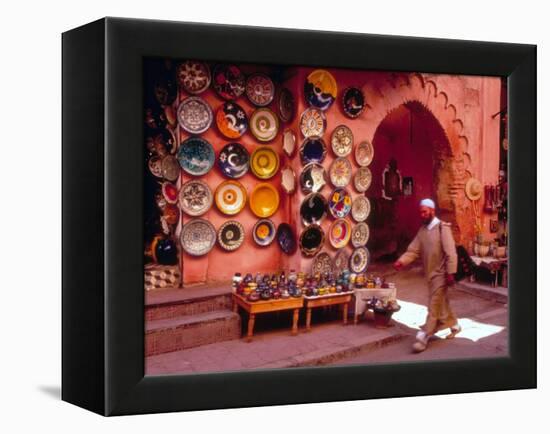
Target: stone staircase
{"x": 178, "y": 319}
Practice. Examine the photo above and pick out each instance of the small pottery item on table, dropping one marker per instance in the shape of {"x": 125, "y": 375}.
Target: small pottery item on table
{"x": 360, "y": 235}
{"x": 364, "y": 153}
{"x": 260, "y": 89}
{"x": 362, "y": 179}
{"x": 341, "y": 261}
{"x": 263, "y": 232}
{"x": 320, "y": 89}
{"x": 195, "y": 197}
{"x": 360, "y": 209}
{"x": 359, "y": 260}
{"x": 264, "y": 162}
{"x": 170, "y": 192}
{"x": 285, "y": 105}
{"x": 311, "y": 240}
{"x": 340, "y": 172}
{"x": 313, "y": 209}
{"x": 170, "y": 168}
{"x": 198, "y": 237}
{"x": 322, "y": 263}
{"x": 289, "y": 142}
{"x": 353, "y": 102}
{"x": 264, "y": 200}
{"x": 233, "y": 160}
{"x": 228, "y": 81}
{"x": 195, "y": 115}
{"x": 264, "y": 124}
{"x": 193, "y": 76}
{"x": 288, "y": 180}
{"x": 196, "y": 156}
{"x": 231, "y": 120}
{"x": 231, "y": 235}
{"x": 313, "y": 178}
{"x": 253, "y": 296}
{"x": 339, "y": 203}
{"x": 313, "y": 150}
{"x": 340, "y": 233}
{"x": 342, "y": 141}
{"x": 286, "y": 238}
{"x": 230, "y": 197}
{"x": 313, "y": 123}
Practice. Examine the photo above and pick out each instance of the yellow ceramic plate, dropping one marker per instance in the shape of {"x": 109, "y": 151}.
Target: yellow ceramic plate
{"x": 264, "y": 200}
{"x": 264, "y": 162}
{"x": 230, "y": 197}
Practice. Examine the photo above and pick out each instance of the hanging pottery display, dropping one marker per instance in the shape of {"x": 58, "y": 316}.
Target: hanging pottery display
{"x": 195, "y": 115}
{"x": 263, "y": 232}
{"x": 339, "y": 233}
{"x": 193, "y": 77}
{"x": 288, "y": 180}
{"x": 264, "y": 124}
{"x": 289, "y": 142}
{"x": 364, "y": 153}
{"x": 339, "y": 203}
{"x": 313, "y": 150}
{"x": 260, "y": 89}
{"x": 230, "y": 197}
{"x": 360, "y": 235}
{"x": 341, "y": 261}
{"x": 231, "y": 120}
{"x": 320, "y": 89}
{"x": 341, "y": 141}
{"x": 311, "y": 240}
{"x": 264, "y": 162}
{"x": 170, "y": 168}
{"x": 313, "y": 123}
{"x": 359, "y": 260}
{"x": 360, "y": 209}
{"x": 170, "y": 192}
{"x": 196, "y": 156}
{"x": 285, "y": 105}
{"x": 233, "y": 160}
{"x": 264, "y": 200}
{"x": 231, "y": 235}
{"x": 353, "y": 102}
{"x": 313, "y": 178}
{"x": 313, "y": 209}
{"x": 322, "y": 264}
{"x": 195, "y": 198}
{"x": 198, "y": 237}
{"x": 228, "y": 81}
{"x": 340, "y": 172}
{"x": 286, "y": 238}
{"x": 362, "y": 179}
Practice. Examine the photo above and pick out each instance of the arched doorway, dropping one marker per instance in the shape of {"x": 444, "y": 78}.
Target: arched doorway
{"x": 413, "y": 138}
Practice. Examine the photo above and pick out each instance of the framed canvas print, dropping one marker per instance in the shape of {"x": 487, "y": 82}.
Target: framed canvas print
{"x": 257, "y": 216}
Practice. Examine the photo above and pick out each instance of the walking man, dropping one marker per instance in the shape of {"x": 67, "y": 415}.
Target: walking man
{"x": 434, "y": 243}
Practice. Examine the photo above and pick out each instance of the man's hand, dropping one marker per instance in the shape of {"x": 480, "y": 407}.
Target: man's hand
{"x": 450, "y": 278}
{"x": 398, "y": 265}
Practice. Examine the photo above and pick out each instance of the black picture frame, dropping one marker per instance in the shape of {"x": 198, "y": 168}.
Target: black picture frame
{"x": 102, "y": 293}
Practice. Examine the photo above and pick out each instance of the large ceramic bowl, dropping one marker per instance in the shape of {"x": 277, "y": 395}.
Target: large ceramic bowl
{"x": 195, "y": 115}
{"x": 264, "y": 124}
{"x": 340, "y": 172}
{"x": 228, "y": 81}
{"x": 195, "y": 197}
{"x": 198, "y": 237}
{"x": 286, "y": 238}
{"x": 313, "y": 150}
{"x": 263, "y": 232}
{"x": 313, "y": 178}
{"x": 264, "y": 162}
{"x": 260, "y": 89}
{"x": 341, "y": 141}
{"x": 234, "y": 160}
{"x": 231, "y": 120}
{"x": 322, "y": 263}
{"x": 339, "y": 203}
{"x": 313, "y": 123}
{"x": 264, "y": 200}
{"x": 313, "y": 209}
{"x": 194, "y": 77}
{"x": 320, "y": 89}
{"x": 231, "y": 235}
{"x": 311, "y": 240}
{"x": 196, "y": 156}
{"x": 360, "y": 209}
{"x": 340, "y": 233}
{"x": 230, "y": 197}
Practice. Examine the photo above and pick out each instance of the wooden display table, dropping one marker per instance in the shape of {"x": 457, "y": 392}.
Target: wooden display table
{"x": 263, "y": 306}
{"x": 327, "y": 300}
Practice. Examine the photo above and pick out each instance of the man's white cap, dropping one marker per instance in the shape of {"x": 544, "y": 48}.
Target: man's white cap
{"x": 427, "y": 202}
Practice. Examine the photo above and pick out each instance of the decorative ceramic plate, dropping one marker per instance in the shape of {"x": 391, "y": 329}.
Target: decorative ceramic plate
{"x": 198, "y": 237}
{"x": 360, "y": 209}
{"x": 359, "y": 260}
{"x": 170, "y": 168}
{"x": 322, "y": 264}
{"x": 264, "y": 162}
{"x": 341, "y": 261}
{"x": 311, "y": 240}
{"x": 233, "y": 160}
{"x": 155, "y": 166}
{"x": 320, "y": 89}
{"x": 194, "y": 77}
{"x": 340, "y": 233}
{"x": 342, "y": 141}
{"x": 362, "y": 179}
{"x": 195, "y": 197}
{"x": 313, "y": 123}
{"x": 264, "y": 124}
{"x": 286, "y": 238}
{"x": 353, "y": 102}
{"x": 360, "y": 235}
{"x": 260, "y": 89}
{"x": 195, "y": 115}
{"x": 231, "y": 235}
{"x": 228, "y": 81}
{"x": 364, "y": 153}
{"x": 340, "y": 172}
{"x": 313, "y": 209}
{"x": 288, "y": 180}
{"x": 264, "y": 200}
{"x": 313, "y": 178}
{"x": 285, "y": 105}
{"x": 170, "y": 192}
{"x": 313, "y": 150}
{"x": 289, "y": 142}
{"x": 230, "y": 197}
{"x": 264, "y": 232}
{"x": 196, "y": 156}
{"x": 231, "y": 120}
{"x": 339, "y": 203}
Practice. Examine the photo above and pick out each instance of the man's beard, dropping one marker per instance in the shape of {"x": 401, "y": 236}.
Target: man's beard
{"x": 427, "y": 221}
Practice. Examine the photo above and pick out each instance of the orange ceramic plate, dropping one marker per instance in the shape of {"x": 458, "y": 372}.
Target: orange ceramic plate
{"x": 340, "y": 233}
{"x": 264, "y": 200}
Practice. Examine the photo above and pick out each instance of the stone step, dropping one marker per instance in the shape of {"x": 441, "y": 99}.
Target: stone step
{"x": 498, "y": 294}
{"x": 189, "y": 331}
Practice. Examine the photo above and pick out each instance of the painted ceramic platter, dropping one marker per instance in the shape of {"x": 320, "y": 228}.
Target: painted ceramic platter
{"x": 359, "y": 260}
{"x": 231, "y": 120}
{"x": 286, "y": 238}
{"x": 286, "y": 104}
{"x": 341, "y": 261}
{"x": 288, "y": 180}
{"x": 289, "y": 142}
{"x": 360, "y": 209}
{"x": 264, "y": 162}
{"x": 194, "y": 77}
{"x": 260, "y": 89}
{"x": 340, "y": 233}
{"x": 170, "y": 168}
{"x": 155, "y": 166}
{"x": 353, "y": 102}
{"x": 313, "y": 178}
{"x": 195, "y": 197}
{"x": 320, "y": 89}
{"x": 231, "y": 235}
{"x": 360, "y": 235}
{"x": 198, "y": 237}
{"x": 233, "y": 160}
{"x": 339, "y": 203}
{"x": 313, "y": 150}
{"x": 364, "y": 153}
{"x": 313, "y": 123}
{"x": 264, "y": 124}
{"x": 264, "y": 232}
{"x": 313, "y": 209}
{"x": 228, "y": 81}
{"x": 264, "y": 200}
{"x": 362, "y": 179}
{"x": 196, "y": 156}
{"x": 311, "y": 240}
{"x": 341, "y": 141}
{"x": 170, "y": 192}
{"x": 195, "y": 115}
{"x": 340, "y": 172}
{"x": 230, "y": 197}
{"x": 322, "y": 264}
